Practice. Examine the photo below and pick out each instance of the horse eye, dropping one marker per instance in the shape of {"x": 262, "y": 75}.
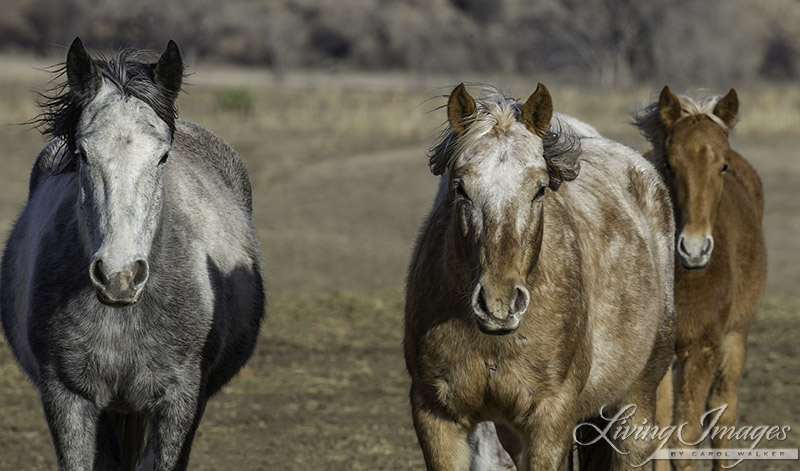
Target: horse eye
{"x": 724, "y": 168}
{"x": 461, "y": 193}
{"x": 539, "y": 192}
{"x": 164, "y": 158}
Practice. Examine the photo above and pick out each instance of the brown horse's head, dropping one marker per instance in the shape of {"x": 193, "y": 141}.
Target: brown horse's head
{"x": 498, "y": 178}
{"x": 697, "y": 155}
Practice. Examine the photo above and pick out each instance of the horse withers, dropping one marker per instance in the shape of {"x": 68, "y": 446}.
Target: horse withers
{"x": 540, "y": 288}
{"x": 720, "y": 265}
{"x": 131, "y": 286}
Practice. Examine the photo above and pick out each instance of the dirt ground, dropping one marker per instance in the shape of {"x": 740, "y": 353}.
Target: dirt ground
{"x": 340, "y": 187}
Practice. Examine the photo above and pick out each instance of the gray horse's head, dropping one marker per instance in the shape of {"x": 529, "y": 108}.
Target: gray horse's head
{"x": 118, "y": 120}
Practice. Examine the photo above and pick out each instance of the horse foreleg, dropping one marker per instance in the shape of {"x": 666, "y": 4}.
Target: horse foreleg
{"x": 724, "y": 388}
{"x": 635, "y": 451}
{"x": 693, "y": 374}
{"x": 549, "y": 435}
{"x": 72, "y": 420}
{"x": 175, "y": 423}
{"x": 443, "y": 440}
{"x": 664, "y": 404}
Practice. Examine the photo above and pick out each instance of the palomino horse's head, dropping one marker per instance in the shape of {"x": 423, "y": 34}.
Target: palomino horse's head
{"x": 118, "y": 119}
{"x": 697, "y": 155}
{"x": 498, "y": 178}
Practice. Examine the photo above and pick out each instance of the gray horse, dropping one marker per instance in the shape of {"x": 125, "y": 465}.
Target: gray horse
{"x": 131, "y": 286}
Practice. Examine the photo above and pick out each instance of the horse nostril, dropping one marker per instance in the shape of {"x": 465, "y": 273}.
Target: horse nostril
{"x": 482, "y": 304}
{"x": 97, "y": 274}
{"x": 708, "y": 246}
{"x": 141, "y": 272}
{"x": 521, "y": 300}
{"x": 681, "y": 245}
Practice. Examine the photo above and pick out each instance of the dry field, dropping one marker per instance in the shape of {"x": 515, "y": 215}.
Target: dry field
{"x": 340, "y": 186}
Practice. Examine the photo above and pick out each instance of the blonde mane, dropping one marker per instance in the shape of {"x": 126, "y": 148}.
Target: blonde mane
{"x": 497, "y": 111}
{"x": 648, "y": 120}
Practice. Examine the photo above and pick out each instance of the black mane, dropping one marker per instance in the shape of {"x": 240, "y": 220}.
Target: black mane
{"x": 131, "y": 71}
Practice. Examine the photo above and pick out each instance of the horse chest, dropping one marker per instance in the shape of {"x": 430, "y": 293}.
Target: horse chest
{"x": 483, "y": 377}
{"x": 111, "y": 356}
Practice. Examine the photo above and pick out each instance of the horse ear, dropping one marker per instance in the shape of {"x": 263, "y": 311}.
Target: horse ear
{"x": 669, "y": 107}
{"x": 727, "y": 108}
{"x": 82, "y": 76}
{"x": 169, "y": 70}
{"x": 538, "y": 110}
{"x": 460, "y": 107}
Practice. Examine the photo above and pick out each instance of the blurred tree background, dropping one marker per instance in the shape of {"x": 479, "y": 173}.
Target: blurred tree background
{"x": 604, "y": 43}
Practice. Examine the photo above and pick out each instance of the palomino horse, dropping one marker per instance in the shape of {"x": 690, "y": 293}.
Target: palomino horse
{"x": 132, "y": 282}
{"x": 535, "y": 295}
{"x": 721, "y": 259}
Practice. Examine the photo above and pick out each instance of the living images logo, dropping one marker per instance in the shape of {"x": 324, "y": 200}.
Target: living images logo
{"x": 620, "y": 427}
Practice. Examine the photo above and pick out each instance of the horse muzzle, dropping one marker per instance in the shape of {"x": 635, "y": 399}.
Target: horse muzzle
{"x": 119, "y": 288}
{"x": 694, "y": 252}
{"x": 499, "y": 316}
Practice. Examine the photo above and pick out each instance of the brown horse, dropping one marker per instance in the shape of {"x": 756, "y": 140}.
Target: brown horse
{"x": 721, "y": 258}
{"x": 536, "y": 295}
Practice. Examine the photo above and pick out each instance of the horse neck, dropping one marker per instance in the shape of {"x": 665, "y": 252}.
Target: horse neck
{"x": 436, "y": 271}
